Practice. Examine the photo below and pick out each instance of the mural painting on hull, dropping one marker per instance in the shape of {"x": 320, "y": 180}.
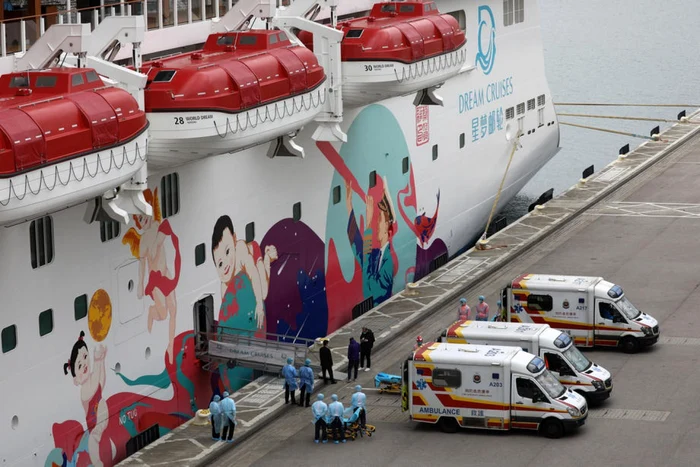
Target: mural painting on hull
{"x": 376, "y": 255}
{"x": 111, "y": 421}
{"x": 148, "y": 245}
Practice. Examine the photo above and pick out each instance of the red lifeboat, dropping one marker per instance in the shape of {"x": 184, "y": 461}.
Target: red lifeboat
{"x": 399, "y": 48}
{"x": 242, "y": 89}
{"x": 65, "y": 138}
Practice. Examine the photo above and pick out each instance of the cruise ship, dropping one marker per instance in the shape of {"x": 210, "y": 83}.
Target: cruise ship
{"x": 370, "y": 155}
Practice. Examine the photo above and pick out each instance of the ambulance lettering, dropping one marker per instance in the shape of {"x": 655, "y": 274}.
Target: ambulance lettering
{"x": 433, "y": 411}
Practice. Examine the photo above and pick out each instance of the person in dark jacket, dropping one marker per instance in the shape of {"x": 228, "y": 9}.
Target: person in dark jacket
{"x": 326, "y": 362}
{"x": 353, "y": 357}
{"x": 366, "y": 344}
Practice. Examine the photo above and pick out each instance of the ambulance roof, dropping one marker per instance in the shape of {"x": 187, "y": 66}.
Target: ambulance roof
{"x": 482, "y": 355}
{"x": 553, "y": 282}
{"x": 485, "y": 329}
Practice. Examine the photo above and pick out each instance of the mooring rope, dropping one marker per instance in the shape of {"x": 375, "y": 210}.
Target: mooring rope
{"x": 615, "y": 117}
{"x": 607, "y": 104}
{"x": 625, "y": 133}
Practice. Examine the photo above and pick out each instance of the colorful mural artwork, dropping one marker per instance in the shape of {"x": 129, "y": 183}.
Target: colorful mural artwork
{"x": 245, "y": 279}
{"x": 292, "y": 284}
{"x": 375, "y": 255}
{"x": 112, "y": 421}
{"x": 147, "y": 243}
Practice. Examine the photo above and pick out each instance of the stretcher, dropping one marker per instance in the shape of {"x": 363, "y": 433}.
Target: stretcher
{"x": 390, "y": 384}
{"x": 351, "y": 424}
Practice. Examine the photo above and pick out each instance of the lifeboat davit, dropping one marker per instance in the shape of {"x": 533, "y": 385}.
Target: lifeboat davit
{"x": 401, "y": 47}
{"x": 65, "y": 138}
{"x": 242, "y": 89}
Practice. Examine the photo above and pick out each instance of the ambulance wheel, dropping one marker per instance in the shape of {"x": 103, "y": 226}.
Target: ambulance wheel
{"x": 552, "y": 428}
{"x": 629, "y": 344}
{"x": 448, "y": 424}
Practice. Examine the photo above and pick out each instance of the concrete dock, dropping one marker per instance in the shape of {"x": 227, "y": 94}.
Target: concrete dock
{"x": 635, "y": 223}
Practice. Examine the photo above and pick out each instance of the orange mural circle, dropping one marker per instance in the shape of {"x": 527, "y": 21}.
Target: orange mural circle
{"x": 100, "y": 315}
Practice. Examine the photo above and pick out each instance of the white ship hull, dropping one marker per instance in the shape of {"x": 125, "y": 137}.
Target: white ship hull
{"x": 440, "y": 168}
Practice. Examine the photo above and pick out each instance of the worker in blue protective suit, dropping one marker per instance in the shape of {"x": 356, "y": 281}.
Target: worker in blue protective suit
{"x": 359, "y": 401}
{"x": 290, "y": 380}
{"x": 215, "y": 418}
{"x": 228, "y": 418}
{"x": 335, "y": 415}
{"x": 320, "y": 411}
{"x": 306, "y": 382}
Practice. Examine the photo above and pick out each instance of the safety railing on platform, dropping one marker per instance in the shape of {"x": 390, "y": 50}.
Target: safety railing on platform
{"x": 17, "y": 34}
{"x": 245, "y": 348}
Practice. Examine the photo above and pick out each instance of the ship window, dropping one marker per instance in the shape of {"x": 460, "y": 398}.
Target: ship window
{"x": 9, "y": 338}
{"x": 539, "y": 302}
{"x": 250, "y": 232}
{"x": 540, "y": 117}
{"x": 540, "y": 100}
{"x": 372, "y": 178}
{"x": 388, "y": 8}
{"x": 45, "y": 82}
{"x": 45, "y": 322}
{"x": 521, "y": 108}
{"x": 224, "y": 40}
{"x": 531, "y": 104}
{"x": 461, "y": 18}
{"x": 80, "y": 307}
{"x": 282, "y": 36}
{"x": 519, "y": 11}
{"x": 354, "y": 33}
{"x": 41, "y": 241}
{"x": 19, "y": 81}
{"x": 510, "y": 113}
{"x": 164, "y": 76}
{"x": 170, "y": 195}
{"x": 447, "y": 378}
{"x": 77, "y": 79}
{"x": 336, "y": 194}
{"x": 404, "y": 165}
{"x": 507, "y": 12}
{"x": 435, "y": 152}
{"x": 108, "y": 230}
{"x": 91, "y": 76}
{"x": 408, "y": 9}
{"x": 462, "y": 141}
{"x": 200, "y": 254}
{"x": 247, "y": 40}
{"x": 273, "y": 39}
{"x": 296, "y": 212}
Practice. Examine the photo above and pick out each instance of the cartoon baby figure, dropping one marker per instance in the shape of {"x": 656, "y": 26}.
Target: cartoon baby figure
{"x": 241, "y": 266}
{"x": 149, "y": 247}
{"x": 91, "y": 383}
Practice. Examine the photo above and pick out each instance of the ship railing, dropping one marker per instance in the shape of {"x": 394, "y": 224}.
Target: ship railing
{"x": 19, "y": 29}
{"x": 265, "y": 352}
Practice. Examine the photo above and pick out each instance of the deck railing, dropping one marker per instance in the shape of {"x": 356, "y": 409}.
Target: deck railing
{"x": 18, "y": 34}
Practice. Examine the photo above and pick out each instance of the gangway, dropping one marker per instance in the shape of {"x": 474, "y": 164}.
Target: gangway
{"x": 238, "y": 347}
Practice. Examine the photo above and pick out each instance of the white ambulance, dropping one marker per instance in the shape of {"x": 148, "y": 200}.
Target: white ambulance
{"x": 555, "y": 347}
{"x": 590, "y": 309}
{"x": 487, "y": 387}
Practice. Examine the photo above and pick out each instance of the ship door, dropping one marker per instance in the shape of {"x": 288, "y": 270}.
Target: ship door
{"x": 203, "y": 322}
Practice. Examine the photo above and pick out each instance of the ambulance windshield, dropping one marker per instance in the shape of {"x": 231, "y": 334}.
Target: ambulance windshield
{"x": 550, "y": 384}
{"x": 627, "y": 309}
{"x": 577, "y": 359}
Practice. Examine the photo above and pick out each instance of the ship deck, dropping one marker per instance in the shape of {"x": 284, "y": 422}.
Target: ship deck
{"x": 636, "y": 222}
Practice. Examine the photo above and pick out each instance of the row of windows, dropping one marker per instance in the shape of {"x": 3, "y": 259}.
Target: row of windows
{"x": 41, "y": 230}
{"x": 513, "y": 12}
{"x": 520, "y": 108}
{"x": 41, "y": 235}
{"x": 8, "y": 336}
